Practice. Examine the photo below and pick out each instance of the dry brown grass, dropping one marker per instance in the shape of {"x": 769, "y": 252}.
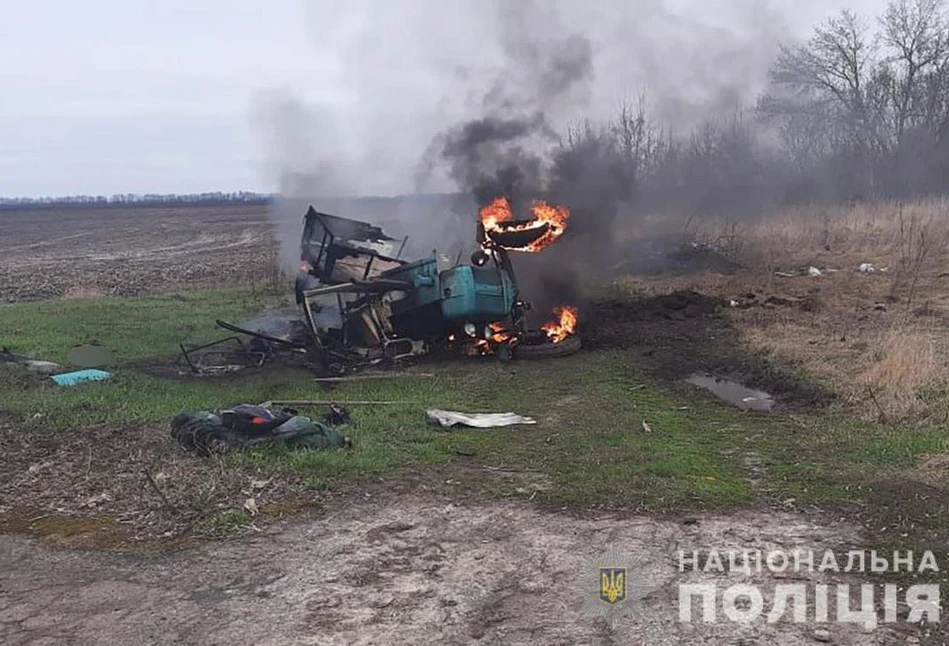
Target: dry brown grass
{"x": 900, "y": 364}
{"x": 881, "y": 361}
{"x": 898, "y": 237}
{"x": 878, "y": 340}
{"x": 881, "y": 370}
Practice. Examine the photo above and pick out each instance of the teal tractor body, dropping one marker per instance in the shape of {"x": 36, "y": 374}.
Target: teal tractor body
{"x": 361, "y": 299}
{"x": 448, "y": 301}
{"x": 482, "y": 294}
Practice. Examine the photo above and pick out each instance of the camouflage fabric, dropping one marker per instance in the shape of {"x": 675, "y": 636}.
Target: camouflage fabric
{"x": 207, "y": 433}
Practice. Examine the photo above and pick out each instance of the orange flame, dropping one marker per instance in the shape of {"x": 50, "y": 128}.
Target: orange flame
{"x": 554, "y": 218}
{"x": 496, "y": 212}
{"x": 567, "y": 325}
{"x": 499, "y": 335}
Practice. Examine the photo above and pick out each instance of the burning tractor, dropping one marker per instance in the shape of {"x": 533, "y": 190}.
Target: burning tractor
{"x": 362, "y": 304}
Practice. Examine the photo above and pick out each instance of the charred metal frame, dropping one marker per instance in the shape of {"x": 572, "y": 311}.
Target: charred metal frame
{"x": 378, "y": 322}
{"x": 323, "y": 264}
{"x": 196, "y": 365}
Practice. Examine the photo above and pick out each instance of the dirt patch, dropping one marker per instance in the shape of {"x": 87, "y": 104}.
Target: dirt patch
{"x": 676, "y": 306}
{"x": 215, "y": 369}
{"x": 119, "y": 487}
{"x": 734, "y": 393}
{"x": 907, "y": 507}
{"x": 410, "y": 569}
{"x": 685, "y": 332}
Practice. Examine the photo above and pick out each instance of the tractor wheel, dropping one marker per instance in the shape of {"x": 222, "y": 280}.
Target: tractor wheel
{"x": 542, "y": 349}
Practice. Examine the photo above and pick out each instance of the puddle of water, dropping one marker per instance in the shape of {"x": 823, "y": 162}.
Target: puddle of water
{"x": 734, "y": 393}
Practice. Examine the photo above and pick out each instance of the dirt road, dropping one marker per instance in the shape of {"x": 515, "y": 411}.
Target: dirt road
{"x": 410, "y": 570}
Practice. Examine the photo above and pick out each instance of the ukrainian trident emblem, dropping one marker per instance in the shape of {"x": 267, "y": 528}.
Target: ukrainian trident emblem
{"x": 612, "y": 585}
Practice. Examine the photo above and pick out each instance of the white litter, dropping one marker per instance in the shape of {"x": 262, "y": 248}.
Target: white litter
{"x": 42, "y": 367}
{"x": 251, "y": 506}
{"x": 448, "y": 418}
{"x": 867, "y": 268}
{"x": 814, "y": 271}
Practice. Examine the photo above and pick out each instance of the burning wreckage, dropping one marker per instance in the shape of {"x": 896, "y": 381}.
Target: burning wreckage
{"x": 362, "y": 304}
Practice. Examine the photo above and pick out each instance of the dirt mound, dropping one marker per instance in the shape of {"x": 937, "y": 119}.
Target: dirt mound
{"x": 675, "y": 253}
{"x": 608, "y": 323}
{"x": 696, "y": 257}
{"x": 686, "y": 332}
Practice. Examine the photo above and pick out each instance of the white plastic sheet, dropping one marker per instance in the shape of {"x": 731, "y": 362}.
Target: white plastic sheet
{"x": 448, "y": 418}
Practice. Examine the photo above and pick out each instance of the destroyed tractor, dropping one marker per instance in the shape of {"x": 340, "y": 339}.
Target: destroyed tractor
{"x": 363, "y": 304}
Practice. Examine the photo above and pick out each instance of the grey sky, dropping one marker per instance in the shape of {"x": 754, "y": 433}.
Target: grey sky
{"x": 107, "y": 96}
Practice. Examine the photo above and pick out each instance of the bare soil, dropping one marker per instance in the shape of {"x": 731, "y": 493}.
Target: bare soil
{"x": 410, "y": 569}
{"x": 125, "y": 488}
{"x": 682, "y": 332}
{"x": 81, "y": 252}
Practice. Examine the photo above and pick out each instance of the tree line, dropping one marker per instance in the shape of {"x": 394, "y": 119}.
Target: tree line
{"x": 136, "y": 199}
{"x": 859, "y": 111}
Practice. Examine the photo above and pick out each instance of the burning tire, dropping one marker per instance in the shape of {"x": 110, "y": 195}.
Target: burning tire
{"x": 540, "y": 347}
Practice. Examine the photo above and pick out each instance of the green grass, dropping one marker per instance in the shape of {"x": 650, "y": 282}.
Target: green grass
{"x": 134, "y": 327}
{"x": 224, "y": 522}
{"x": 589, "y": 448}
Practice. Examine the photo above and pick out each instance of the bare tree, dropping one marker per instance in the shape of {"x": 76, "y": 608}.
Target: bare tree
{"x": 640, "y": 142}
{"x": 823, "y": 97}
{"x": 852, "y": 113}
{"x": 828, "y": 72}
{"x": 862, "y": 99}
{"x": 914, "y": 32}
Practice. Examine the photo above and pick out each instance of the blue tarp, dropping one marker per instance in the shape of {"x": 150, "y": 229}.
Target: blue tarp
{"x": 73, "y": 378}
